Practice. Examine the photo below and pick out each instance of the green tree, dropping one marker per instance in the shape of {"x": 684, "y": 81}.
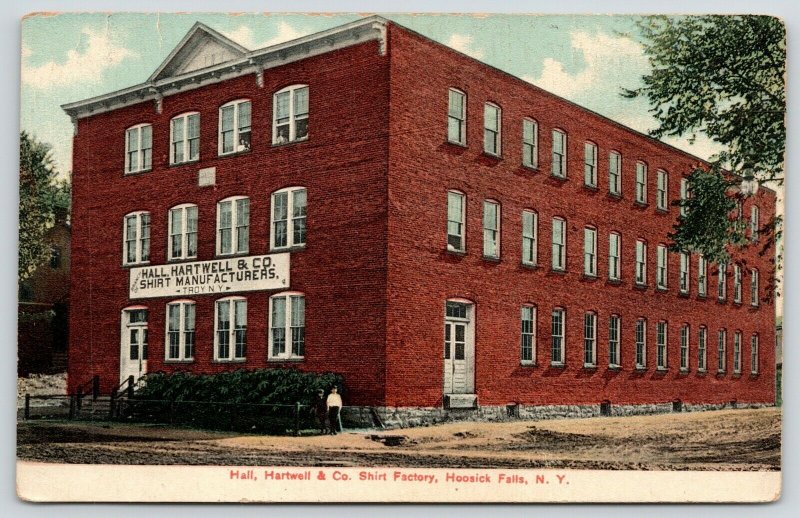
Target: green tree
{"x": 40, "y": 194}
{"x": 724, "y": 77}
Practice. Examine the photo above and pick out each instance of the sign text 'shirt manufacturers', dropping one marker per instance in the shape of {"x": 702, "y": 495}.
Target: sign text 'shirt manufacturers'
{"x": 220, "y": 276}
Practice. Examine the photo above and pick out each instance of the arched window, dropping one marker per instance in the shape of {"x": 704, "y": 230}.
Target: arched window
{"x": 179, "y": 339}
{"x": 184, "y": 137}
{"x": 287, "y": 326}
{"x": 138, "y": 148}
{"x": 183, "y": 232}
{"x": 233, "y": 225}
{"x": 230, "y": 329}
{"x": 290, "y": 114}
{"x": 136, "y": 238}
{"x": 288, "y": 218}
{"x": 234, "y": 127}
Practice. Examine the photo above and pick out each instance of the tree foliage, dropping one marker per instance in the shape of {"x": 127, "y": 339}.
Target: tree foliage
{"x": 40, "y": 194}
{"x": 724, "y": 77}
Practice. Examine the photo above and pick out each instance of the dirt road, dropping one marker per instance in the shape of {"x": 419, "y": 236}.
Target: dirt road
{"x": 721, "y": 440}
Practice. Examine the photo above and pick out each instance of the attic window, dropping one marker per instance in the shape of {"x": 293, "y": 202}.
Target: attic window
{"x": 290, "y": 114}
{"x": 234, "y": 127}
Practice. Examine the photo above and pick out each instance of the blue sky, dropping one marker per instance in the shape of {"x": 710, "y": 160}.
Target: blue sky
{"x": 586, "y": 59}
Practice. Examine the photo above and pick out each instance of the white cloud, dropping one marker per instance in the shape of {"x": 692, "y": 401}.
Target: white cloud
{"x": 89, "y": 64}
{"x": 604, "y": 57}
{"x": 244, "y": 36}
{"x": 463, "y": 43}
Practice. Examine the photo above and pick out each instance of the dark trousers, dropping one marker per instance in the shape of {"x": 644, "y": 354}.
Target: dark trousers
{"x": 333, "y": 419}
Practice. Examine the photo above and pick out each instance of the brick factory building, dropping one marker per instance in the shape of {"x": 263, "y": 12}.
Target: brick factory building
{"x": 367, "y": 201}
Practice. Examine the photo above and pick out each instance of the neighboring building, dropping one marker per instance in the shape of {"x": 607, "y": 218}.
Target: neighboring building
{"x": 465, "y": 239}
{"x": 43, "y": 310}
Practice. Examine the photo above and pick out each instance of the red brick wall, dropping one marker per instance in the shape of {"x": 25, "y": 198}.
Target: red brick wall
{"x": 422, "y": 275}
{"x": 342, "y": 270}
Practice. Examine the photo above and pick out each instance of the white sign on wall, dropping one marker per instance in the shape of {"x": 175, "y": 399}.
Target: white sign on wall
{"x": 220, "y": 276}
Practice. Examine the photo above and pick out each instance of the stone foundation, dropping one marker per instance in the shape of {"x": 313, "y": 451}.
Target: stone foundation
{"x": 409, "y": 417}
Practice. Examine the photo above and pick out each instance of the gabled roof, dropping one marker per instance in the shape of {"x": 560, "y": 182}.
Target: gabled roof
{"x": 200, "y": 48}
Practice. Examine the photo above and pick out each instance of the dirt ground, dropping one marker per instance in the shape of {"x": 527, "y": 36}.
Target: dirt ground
{"x": 721, "y": 440}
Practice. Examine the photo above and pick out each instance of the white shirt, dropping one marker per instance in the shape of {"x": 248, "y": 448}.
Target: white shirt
{"x": 334, "y": 400}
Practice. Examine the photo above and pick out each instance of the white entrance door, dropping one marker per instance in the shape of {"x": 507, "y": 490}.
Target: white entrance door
{"x": 459, "y": 347}
{"x": 133, "y": 345}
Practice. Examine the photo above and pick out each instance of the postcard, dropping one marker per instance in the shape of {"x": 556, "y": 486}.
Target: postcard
{"x": 400, "y": 258}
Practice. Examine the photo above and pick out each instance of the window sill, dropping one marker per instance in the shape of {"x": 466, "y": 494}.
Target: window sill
{"x": 527, "y": 364}
{"x": 614, "y": 282}
{"x": 557, "y": 178}
{"x": 662, "y": 369}
{"x": 614, "y": 196}
{"x": 661, "y": 289}
{"x": 753, "y": 375}
{"x": 614, "y": 367}
{"x": 229, "y": 256}
{"x": 295, "y": 359}
{"x": 456, "y": 143}
{"x": 588, "y": 277}
{"x": 702, "y": 297}
{"x": 722, "y": 301}
{"x": 589, "y": 366}
{"x": 134, "y": 265}
{"x": 737, "y": 304}
{"x": 663, "y": 212}
{"x": 295, "y": 248}
{"x": 640, "y": 368}
{"x": 640, "y": 204}
{"x": 683, "y": 370}
{"x": 491, "y": 259}
{"x": 558, "y": 271}
{"x": 721, "y": 374}
{"x": 701, "y": 372}
{"x": 639, "y": 286}
{"x": 557, "y": 365}
{"x": 137, "y": 173}
{"x": 491, "y": 156}
{"x": 290, "y": 142}
{"x": 186, "y": 162}
{"x": 233, "y": 153}
{"x": 531, "y": 168}
{"x": 529, "y": 266}
{"x": 737, "y": 375}
{"x": 179, "y": 260}
{"x": 591, "y": 188}
{"x": 683, "y": 294}
{"x": 223, "y": 361}
{"x": 754, "y": 306}
{"x": 178, "y": 362}
{"x": 457, "y": 253}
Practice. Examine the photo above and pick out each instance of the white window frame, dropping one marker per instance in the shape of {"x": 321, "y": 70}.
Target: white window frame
{"x": 451, "y": 194}
{"x": 186, "y": 139}
{"x": 684, "y": 347}
{"x": 561, "y": 153}
{"x": 702, "y": 276}
{"x": 530, "y": 143}
{"x": 662, "y": 190}
{"x": 640, "y": 343}
{"x": 614, "y": 332}
{"x": 237, "y": 130}
{"x": 590, "y": 164}
{"x": 702, "y": 349}
{"x": 458, "y": 118}
{"x": 685, "y": 274}
{"x": 754, "y": 223}
{"x": 558, "y": 249}
{"x": 590, "y": 251}
{"x": 737, "y": 352}
{"x": 184, "y": 233}
{"x": 234, "y": 326}
{"x": 754, "y": 353}
{"x": 292, "y": 299}
{"x": 491, "y": 234}
{"x": 754, "y": 288}
{"x": 496, "y": 132}
{"x": 641, "y": 263}
{"x": 141, "y": 242}
{"x": 614, "y": 254}
{"x": 184, "y": 331}
{"x": 615, "y": 173}
{"x": 234, "y": 228}
{"x": 722, "y": 350}
{"x": 293, "y": 221}
{"x": 684, "y": 196}
{"x": 662, "y": 267}
{"x": 662, "y": 361}
{"x": 530, "y": 231}
{"x": 641, "y": 183}
{"x": 722, "y": 281}
{"x": 557, "y": 338}
{"x": 140, "y": 151}
{"x": 590, "y": 339}
{"x": 737, "y": 284}
{"x": 528, "y": 332}
{"x": 294, "y": 117}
